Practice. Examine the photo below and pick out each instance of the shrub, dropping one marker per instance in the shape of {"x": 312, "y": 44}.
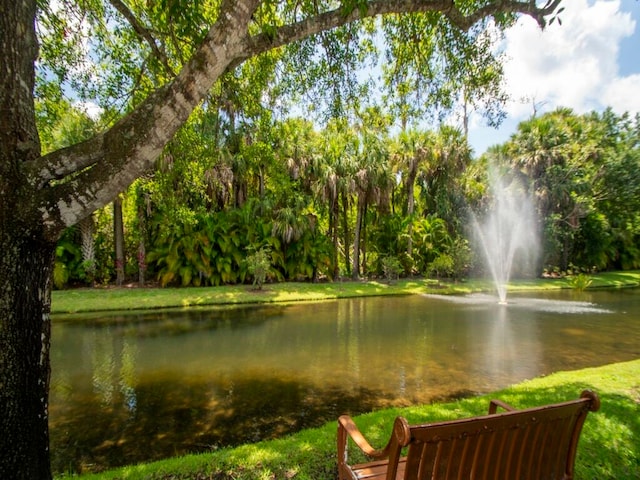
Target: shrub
{"x": 258, "y": 265}
{"x": 442, "y": 266}
{"x": 580, "y": 281}
{"x": 391, "y": 267}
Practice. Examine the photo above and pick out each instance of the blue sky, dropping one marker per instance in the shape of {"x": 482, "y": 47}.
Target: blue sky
{"x": 590, "y": 62}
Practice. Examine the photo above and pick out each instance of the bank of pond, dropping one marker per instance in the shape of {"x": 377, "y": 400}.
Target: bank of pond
{"x": 139, "y": 386}
{"x": 608, "y": 448}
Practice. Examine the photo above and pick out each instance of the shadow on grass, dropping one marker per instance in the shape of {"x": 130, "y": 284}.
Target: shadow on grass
{"x": 618, "y": 279}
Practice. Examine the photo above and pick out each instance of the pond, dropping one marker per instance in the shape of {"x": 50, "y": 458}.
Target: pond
{"x": 134, "y": 387}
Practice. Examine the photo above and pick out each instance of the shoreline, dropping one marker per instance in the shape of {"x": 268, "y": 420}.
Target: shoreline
{"x": 607, "y": 448}
{"x": 86, "y": 300}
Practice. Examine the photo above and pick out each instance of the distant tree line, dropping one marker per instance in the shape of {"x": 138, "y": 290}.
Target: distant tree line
{"x": 353, "y": 199}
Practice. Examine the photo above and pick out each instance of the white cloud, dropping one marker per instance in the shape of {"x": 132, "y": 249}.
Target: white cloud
{"x": 623, "y": 94}
{"x": 90, "y": 108}
{"x": 571, "y": 65}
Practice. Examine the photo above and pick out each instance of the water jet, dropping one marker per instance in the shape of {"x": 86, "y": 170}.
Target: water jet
{"x": 507, "y": 232}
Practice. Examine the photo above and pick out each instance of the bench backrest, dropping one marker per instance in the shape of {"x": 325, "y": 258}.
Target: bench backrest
{"x": 536, "y": 443}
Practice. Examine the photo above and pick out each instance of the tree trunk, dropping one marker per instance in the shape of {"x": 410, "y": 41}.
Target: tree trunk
{"x": 142, "y": 249}
{"x": 142, "y": 253}
{"x": 26, "y": 265}
{"x": 411, "y": 180}
{"x": 356, "y": 242}
{"x": 363, "y": 242}
{"x": 88, "y": 250}
{"x": 334, "y": 219}
{"x": 410, "y": 209}
{"x": 345, "y": 227}
{"x": 261, "y": 183}
{"x": 118, "y": 240}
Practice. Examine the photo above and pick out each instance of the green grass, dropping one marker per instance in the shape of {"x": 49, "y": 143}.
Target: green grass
{"x": 609, "y": 446}
{"x": 101, "y": 299}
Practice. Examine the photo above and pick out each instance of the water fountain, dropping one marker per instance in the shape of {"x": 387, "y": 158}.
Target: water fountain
{"x": 508, "y": 232}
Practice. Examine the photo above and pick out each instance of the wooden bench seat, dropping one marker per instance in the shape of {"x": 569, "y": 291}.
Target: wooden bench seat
{"x": 530, "y": 444}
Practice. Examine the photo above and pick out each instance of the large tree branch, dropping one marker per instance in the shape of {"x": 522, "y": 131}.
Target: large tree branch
{"x": 539, "y": 14}
{"x": 107, "y": 164}
{"x": 61, "y": 163}
{"x": 336, "y": 18}
{"x": 130, "y": 147}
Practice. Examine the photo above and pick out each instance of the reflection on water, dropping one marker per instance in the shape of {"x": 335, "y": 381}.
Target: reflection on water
{"x": 134, "y": 387}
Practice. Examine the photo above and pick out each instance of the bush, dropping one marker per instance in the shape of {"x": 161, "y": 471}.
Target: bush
{"x": 580, "y": 281}
{"x": 391, "y": 267}
{"x": 258, "y": 266}
{"x": 442, "y": 266}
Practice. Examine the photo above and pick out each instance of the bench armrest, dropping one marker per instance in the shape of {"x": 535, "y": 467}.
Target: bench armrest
{"x": 347, "y": 428}
{"x": 494, "y": 404}
{"x": 400, "y": 437}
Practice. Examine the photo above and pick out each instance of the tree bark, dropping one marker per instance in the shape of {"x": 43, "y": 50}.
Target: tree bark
{"x": 142, "y": 249}
{"x": 26, "y": 263}
{"x": 25, "y": 367}
{"x": 26, "y": 266}
{"x": 334, "y": 219}
{"x": 410, "y": 183}
{"x": 88, "y": 250}
{"x": 363, "y": 241}
{"x": 345, "y": 232}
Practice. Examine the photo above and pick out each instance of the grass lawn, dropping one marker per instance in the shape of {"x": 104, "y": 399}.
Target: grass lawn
{"x": 610, "y": 442}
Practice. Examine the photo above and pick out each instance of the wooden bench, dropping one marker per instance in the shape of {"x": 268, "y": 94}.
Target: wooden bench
{"x": 535, "y": 444}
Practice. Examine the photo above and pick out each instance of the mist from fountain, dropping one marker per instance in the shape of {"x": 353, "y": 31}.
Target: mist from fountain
{"x": 507, "y": 233}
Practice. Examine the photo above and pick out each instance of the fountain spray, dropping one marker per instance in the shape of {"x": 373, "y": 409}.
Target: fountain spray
{"x": 507, "y": 232}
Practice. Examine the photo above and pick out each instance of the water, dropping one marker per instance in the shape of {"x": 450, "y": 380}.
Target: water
{"x": 136, "y": 387}
{"x": 508, "y": 232}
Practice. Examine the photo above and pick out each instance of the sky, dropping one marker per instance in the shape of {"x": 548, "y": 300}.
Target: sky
{"x": 590, "y": 62}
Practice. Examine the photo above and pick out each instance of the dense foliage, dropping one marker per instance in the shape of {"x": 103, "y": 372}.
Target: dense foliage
{"x": 584, "y": 172}
{"x": 306, "y": 195}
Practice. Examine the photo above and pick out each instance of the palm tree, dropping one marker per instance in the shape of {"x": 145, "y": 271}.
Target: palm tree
{"x": 449, "y": 156}
{"x": 334, "y": 184}
{"x": 118, "y": 239}
{"x": 374, "y": 182}
{"x": 299, "y": 151}
{"x": 409, "y": 153}
{"x": 543, "y": 149}
{"x": 88, "y": 249}
{"x": 326, "y": 187}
